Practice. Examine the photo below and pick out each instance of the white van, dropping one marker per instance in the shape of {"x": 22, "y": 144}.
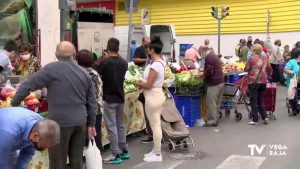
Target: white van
{"x": 165, "y": 32}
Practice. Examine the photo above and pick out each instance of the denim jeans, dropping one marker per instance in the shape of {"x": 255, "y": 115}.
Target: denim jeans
{"x": 114, "y": 121}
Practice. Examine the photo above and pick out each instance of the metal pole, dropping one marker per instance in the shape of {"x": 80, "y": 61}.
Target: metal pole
{"x": 219, "y": 35}
{"x": 130, "y": 30}
{"x": 268, "y": 22}
{"x": 62, "y": 24}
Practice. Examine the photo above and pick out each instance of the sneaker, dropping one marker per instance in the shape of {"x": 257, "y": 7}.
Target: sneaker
{"x": 153, "y": 158}
{"x": 147, "y": 140}
{"x": 113, "y": 159}
{"x": 211, "y": 125}
{"x": 125, "y": 154}
{"x": 207, "y": 125}
{"x": 149, "y": 154}
{"x": 253, "y": 123}
{"x": 266, "y": 121}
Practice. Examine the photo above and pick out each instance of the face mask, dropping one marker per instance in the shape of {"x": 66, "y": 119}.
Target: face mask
{"x": 25, "y": 57}
{"x": 146, "y": 46}
{"x": 36, "y": 146}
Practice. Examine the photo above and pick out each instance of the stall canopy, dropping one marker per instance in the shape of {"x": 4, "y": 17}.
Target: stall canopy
{"x": 16, "y": 21}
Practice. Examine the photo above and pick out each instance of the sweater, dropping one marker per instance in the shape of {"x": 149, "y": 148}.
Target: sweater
{"x": 71, "y": 93}
{"x": 213, "y": 71}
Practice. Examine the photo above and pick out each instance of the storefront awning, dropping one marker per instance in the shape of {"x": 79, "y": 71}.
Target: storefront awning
{"x": 103, "y": 4}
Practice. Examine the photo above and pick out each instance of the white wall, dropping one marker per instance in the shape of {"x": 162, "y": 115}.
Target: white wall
{"x": 228, "y": 42}
{"x": 49, "y": 23}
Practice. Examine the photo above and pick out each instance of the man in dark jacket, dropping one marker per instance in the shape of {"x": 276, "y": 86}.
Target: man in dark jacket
{"x": 215, "y": 80}
{"x": 72, "y": 104}
{"x": 112, "y": 71}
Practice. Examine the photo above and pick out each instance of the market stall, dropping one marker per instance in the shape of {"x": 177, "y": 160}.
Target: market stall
{"x": 133, "y": 117}
{"x": 134, "y": 122}
{"x": 190, "y": 88}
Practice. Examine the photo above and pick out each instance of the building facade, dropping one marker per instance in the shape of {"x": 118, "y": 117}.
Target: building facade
{"x": 194, "y": 23}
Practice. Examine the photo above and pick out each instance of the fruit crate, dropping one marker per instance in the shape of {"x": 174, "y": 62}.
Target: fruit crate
{"x": 189, "y": 108}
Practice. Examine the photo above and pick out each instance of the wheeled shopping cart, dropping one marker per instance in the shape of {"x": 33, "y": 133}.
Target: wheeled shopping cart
{"x": 230, "y": 101}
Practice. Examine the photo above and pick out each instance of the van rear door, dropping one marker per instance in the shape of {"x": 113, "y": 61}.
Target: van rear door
{"x": 121, "y": 33}
{"x": 138, "y": 32}
{"x": 165, "y": 34}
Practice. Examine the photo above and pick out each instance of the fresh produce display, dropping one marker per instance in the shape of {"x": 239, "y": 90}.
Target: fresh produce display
{"x": 31, "y": 99}
{"x": 188, "y": 78}
{"x": 133, "y": 74}
{"x": 8, "y": 92}
{"x": 234, "y": 67}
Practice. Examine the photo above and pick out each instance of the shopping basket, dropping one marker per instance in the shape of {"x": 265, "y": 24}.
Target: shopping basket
{"x": 230, "y": 89}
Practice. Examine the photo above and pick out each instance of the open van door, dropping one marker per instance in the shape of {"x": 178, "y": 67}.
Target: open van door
{"x": 165, "y": 32}
{"x": 138, "y": 33}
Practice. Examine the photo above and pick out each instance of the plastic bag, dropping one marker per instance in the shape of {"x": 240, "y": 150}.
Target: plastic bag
{"x": 292, "y": 88}
{"x": 7, "y": 90}
{"x": 93, "y": 156}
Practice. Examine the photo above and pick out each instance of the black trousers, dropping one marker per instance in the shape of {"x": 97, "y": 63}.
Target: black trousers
{"x": 148, "y": 128}
{"x": 98, "y": 138}
{"x": 293, "y": 102}
{"x": 276, "y": 73}
{"x": 72, "y": 140}
{"x": 257, "y": 100}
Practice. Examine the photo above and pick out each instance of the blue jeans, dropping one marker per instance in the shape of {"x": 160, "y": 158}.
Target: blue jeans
{"x": 114, "y": 120}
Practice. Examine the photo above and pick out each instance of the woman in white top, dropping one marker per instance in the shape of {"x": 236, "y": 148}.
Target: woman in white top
{"x": 154, "y": 96}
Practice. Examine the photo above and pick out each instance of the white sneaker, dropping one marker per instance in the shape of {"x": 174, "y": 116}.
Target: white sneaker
{"x": 149, "y": 154}
{"x": 266, "y": 121}
{"x": 253, "y": 123}
{"x": 153, "y": 158}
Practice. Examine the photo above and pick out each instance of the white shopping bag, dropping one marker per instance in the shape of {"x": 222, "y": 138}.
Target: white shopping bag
{"x": 93, "y": 156}
{"x": 292, "y": 88}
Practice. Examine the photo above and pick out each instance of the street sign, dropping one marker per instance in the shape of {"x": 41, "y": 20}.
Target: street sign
{"x": 145, "y": 17}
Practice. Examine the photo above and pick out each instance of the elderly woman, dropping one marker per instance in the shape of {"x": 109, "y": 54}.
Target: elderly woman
{"x": 258, "y": 68}
{"x": 291, "y": 69}
{"x": 154, "y": 76}
{"x": 26, "y": 64}
{"x": 86, "y": 60}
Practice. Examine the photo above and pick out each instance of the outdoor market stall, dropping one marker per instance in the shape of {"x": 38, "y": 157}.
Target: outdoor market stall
{"x": 133, "y": 115}
{"x": 190, "y": 90}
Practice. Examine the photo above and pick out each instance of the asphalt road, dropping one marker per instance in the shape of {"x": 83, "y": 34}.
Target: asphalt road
{"x": 227, "y": 146}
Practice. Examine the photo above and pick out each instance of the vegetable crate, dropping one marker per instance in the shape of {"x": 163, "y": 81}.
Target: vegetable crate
{"x": 189, "y": 108}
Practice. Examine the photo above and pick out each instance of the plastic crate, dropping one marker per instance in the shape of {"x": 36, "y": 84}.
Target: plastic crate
{"x": 183, "y": 48}
{"x": 233, "y": 78}
{"x": 189, "y": 108}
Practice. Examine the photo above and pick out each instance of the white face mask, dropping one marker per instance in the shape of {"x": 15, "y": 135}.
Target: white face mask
{"x": 25, "y": 57}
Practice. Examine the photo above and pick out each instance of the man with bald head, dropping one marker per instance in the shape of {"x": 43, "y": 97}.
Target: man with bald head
{"x": 72, "y": 104}
{"x": 206, "y": 43}
{"x": 24, "y": 130}
{"x": 141, "y": 53}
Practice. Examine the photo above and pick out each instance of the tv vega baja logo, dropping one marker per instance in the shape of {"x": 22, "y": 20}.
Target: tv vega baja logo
{"x": 268, "y": 150}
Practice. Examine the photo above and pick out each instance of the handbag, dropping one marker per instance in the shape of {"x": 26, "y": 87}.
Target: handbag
{"x": 292, "y": 87}
{"x": 93, "y": 156}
